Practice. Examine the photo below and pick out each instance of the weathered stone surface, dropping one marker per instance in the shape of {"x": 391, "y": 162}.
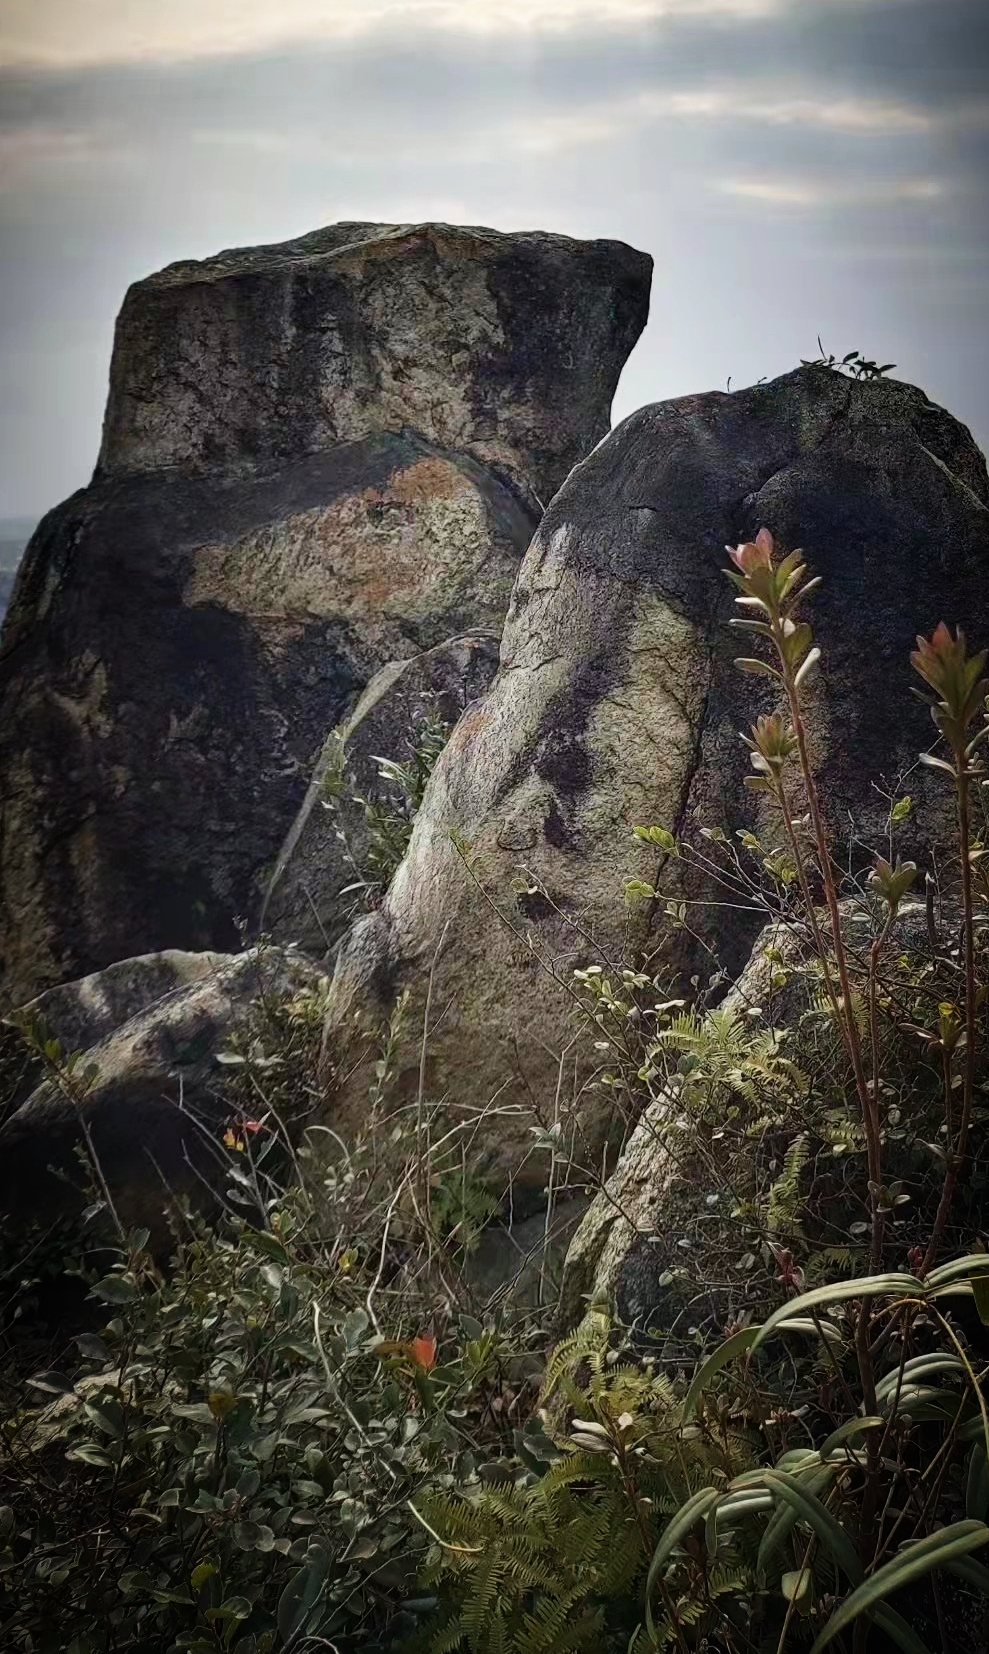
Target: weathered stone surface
{"x": 317, "y": 458}
{"x": 617, "y": 703}
{"x": 177, "y": 651}
{"x": 155, "y": 1108}
{"x": 303, "y": 903}
{"x": 505, "y": 347}
{"x": 82, "y": 1013}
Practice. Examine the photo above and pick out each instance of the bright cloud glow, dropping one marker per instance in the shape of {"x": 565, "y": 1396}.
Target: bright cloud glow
{"x": 33, "y": 153}
{"x": 861, "y": 114}
{"x": 817, "y": 193}
{"x": 606, "y": 121}
{"x": 63, "y": 33}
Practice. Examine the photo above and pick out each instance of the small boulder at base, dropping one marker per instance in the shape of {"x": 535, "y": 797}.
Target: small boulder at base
{"x": 154, "y": 1108}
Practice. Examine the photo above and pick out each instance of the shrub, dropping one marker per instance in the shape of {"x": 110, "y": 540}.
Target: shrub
{"x": 860, "y": 1404}
{"x": 231, "y": 1462}
{"x": 386, "y": 817}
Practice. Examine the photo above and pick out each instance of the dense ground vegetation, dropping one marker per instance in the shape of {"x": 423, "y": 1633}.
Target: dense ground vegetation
{"x": 310, "y": 1428}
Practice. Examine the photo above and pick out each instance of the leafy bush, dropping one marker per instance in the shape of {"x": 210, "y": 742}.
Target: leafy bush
{"x": 386, "y": 818}
{"x": 231, "y": 1461}
{"x": 865, "y": 1466}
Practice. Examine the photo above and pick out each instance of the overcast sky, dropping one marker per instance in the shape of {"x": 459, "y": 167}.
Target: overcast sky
{"x": 795, "y": 167}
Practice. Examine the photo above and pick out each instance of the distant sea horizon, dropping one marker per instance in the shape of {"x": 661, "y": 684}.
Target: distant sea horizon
{"x": 15, "y": 532}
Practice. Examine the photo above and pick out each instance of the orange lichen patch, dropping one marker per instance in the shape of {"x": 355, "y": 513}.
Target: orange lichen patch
{"x": 468, "y": 726}
{"x": 428, "y": 479}
{"x": 404, "y": 548}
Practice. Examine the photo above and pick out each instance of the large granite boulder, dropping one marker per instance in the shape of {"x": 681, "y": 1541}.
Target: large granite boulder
{"x": 617, "y": 703}
{"x": 326, "y": 870}
{"x": 504, "y": 347}
{"x": 317, "y": 458}
{"x": 156, "y": 1105}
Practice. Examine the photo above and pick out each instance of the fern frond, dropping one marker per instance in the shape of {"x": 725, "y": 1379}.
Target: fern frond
{"x": 783, "y": 1205}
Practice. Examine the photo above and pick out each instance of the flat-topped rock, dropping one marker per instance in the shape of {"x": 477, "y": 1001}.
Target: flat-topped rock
{"x": 507, "y": 347}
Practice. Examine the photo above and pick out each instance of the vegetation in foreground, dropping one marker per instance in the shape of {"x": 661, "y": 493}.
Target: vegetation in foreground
{"x": 314, "y": 1430}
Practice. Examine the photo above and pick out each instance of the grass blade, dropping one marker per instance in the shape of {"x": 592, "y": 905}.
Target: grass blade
{"x": 914, "y": 1562}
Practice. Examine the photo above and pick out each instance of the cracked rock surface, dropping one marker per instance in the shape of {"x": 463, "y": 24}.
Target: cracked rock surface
{"x": 313, "y": 893}
{"x": 617, "y": 703}
{"x": 318, "y": 458}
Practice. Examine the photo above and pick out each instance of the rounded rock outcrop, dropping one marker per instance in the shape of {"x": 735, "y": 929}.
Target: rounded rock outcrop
{"x": 617, "y": 703}
{"x": 317, "y": 458}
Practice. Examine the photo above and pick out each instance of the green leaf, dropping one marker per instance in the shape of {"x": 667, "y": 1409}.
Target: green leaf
{"x": 787, "y": 1515}
{"x": 115, "y": 1289}
{"x": 736, "y": 1507}
{"x": 136, "y": 1579}
{"x": 89, "y": 1453}
{"x": 815, "y": 1328}
{"x": 851, "y": 1427}
{"x": 808, "y": 665}
{"x": 973, "y": 1267}
{"x": 92, "y": 1347}
{"x": 920, "y": 1367}
{"x": 755, "y": 667}
{"x": 867, "y": 1286}
{"x": 977, "y": 1483}
{"x": 656, "y": 835}
{"x": 55, "y": 1384}
{"x": 736, "y": 1345}
{"x": 687, "y": 1517}
{"x": 264, "y": 1241}
{"x": 899, "y": 1631}
{"x": 797, "y": 642}
{"x": 914, "y": 1562}
{"x": 796, "y": 1585}
{"x": 936, "y": 763}
{"x": 810, "y": 1509}
{"x": 300, "y": 1597}
{"x": 235, "y": 1608}
{"x": 980, "y": 1292}
{"x": 973, "y": 1573}
{"x": 107, "y": 1415}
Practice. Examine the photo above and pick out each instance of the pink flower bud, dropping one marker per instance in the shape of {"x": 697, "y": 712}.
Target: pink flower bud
{"x": 753, "y": 554}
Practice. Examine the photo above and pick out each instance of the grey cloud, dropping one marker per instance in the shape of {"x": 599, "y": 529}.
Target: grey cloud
{"x": 933, "y": 54}
{"x": 134, "y": 165}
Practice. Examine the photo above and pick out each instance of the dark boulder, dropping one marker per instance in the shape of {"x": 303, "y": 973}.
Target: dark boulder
{"x": 617, "y": 703}
{"x": 317, "y": 458}
{"x": 154, "y": 1109}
